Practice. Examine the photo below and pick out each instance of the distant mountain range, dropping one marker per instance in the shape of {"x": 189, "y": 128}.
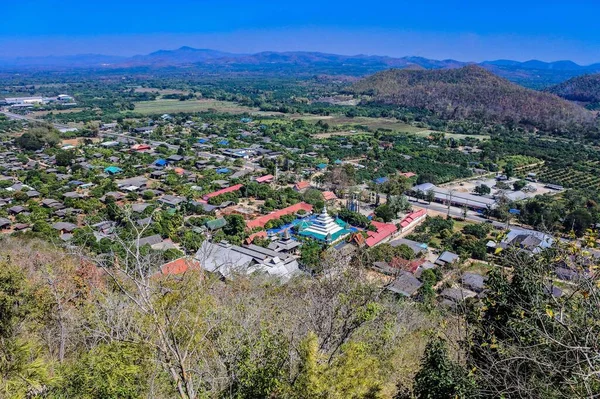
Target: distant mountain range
{"x": 472, "y": 92}
{"x": 530, "y": 73}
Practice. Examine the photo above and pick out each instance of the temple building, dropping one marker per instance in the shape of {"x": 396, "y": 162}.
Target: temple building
{"x": 285, "y": 244}
{"x": 324, "y": 228}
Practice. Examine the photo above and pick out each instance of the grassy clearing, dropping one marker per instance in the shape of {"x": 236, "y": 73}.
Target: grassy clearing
{"x": 39, "y": 114}
{"x": 426, "y": 133}
{"x": 371, "y": 123}
{"x": 380, "y": 123}
{"x": 477, "y": 267}
{"x": 175, "y": 106}
{"x": 162, "y": 92}
{"x": 345, "y": 133}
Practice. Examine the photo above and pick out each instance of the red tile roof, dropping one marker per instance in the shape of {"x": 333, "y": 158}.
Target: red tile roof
{"x": 411, "y": 217}
{"x": 251, "y": 237}
{"x": 179, "y": 266}
{"x": 265, "y": 179}
{"x": 329, "y": 195}
{"x": 223, "y": 191}
{"x": 262, "y": 220}
{"x": 408, "y": 265}
{"x": 301, "y": 185}
{"x": 384, "y": 230}
{"x": 140, "y": 147}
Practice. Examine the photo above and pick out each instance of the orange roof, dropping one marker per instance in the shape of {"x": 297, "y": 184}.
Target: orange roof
{"x": 301, "y": 185}
{"x": 140, "y": 147}
{"x": 223, "y": 191}
{"x": 329, "y": 195}
{"x": 408, "y": 265}
{"x": 408, "y": 174}
{"x": 411, "y": 217}
{"x": 384, "y": 230}
{"x": 179, "y": 171}
{"x": 179, "y": 266}
{"x": 264, "y": 179}
{"x": 262, "y": 220}
{"x": 357, "y": 238}
{"x": 251, "y": 237}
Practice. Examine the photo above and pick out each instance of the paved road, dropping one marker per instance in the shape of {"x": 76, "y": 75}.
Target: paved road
{"x": 10, "y": 115}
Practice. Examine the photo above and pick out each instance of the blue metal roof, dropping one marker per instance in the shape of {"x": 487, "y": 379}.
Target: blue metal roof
{"x": 112, "y": 170}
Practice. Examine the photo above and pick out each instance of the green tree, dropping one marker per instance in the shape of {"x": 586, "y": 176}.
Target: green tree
{"x": 385, "y": 212}
{"x": 235, "y": 225}
{"x": 482, "y": 189}
{"x": 509, "y": 170}
{"x": 23, "y": 369}
{"x": 64, "y": 158}
{"x": 114, "y": 370}
{"x": 578, "y": 221}
{"x": 439, "y": 377}
{"x": 519, "y": 184}
{"x": 430, "y": 196}
{"x": 310, "y": 255}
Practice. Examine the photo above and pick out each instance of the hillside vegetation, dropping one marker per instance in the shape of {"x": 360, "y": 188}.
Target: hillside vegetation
{"x": 584, "y": 89}
{"x": 474, "y": 93}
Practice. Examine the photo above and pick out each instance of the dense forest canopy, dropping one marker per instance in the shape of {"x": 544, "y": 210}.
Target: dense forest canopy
{"x": 585, "y": 89}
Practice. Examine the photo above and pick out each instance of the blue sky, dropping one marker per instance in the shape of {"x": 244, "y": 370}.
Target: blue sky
{"x": 465, "y": 30}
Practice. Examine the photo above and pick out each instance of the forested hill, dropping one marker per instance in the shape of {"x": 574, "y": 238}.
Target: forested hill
{"x": 584, "y": 89}
{"x": 472, "y": 92}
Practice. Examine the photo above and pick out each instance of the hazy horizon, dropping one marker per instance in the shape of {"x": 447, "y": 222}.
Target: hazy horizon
{"x": 546, "y": 31}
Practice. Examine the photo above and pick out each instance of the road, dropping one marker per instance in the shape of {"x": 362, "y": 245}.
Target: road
{"x": 135, "y": 138}
{"x": 455, "y": 212}
{"x": 10, "y": 115}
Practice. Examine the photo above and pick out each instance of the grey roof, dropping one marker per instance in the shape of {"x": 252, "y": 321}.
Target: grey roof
{"x": 17, "y": 209}
{"x": 205, "y": 207}
{"x": 220, "y": 258}
{"x": 456, "y": 294}
{"x": 139, "y": 207}
{"x": 531, "y": 240}
{"x": 384, "y": 267}
{"x": 447, "y": 257}
{"x": 64, "y": 226}
{"x": 4, "y": 222}
{"x": 228, "y": 259}
{"x": 137, "y": 181}
{"x": 172, "y": 200}
{"x": 473, "y": 281}
{"x": 417, "y": 247}
{"x": 458, "y": 198}
{"x": 151, "y": 240}
{"x": 175, "y": 158}
{"x": 144, "y": 222}
{"x": 405, "y": 284}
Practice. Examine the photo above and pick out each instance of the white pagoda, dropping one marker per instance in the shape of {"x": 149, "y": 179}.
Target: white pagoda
{"x": 324, "y": 228}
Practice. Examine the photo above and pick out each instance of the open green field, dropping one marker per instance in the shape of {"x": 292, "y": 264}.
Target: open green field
{"x": 380, "y": 123}
{"x": 175, "y": 106}
{"x": 425, "y": 133}
{"x": 371, "y": 123}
